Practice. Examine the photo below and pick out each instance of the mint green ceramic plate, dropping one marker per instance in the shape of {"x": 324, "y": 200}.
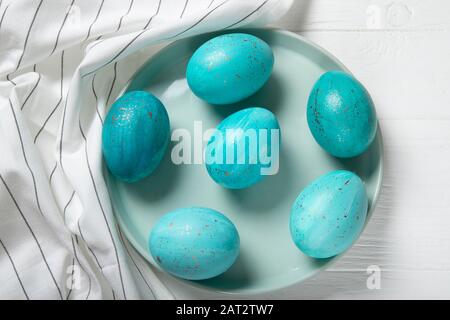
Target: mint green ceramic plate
{"x": 268, "y": 260}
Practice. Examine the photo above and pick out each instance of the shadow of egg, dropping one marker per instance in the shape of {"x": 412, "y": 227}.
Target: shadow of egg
{"x": 160, "y": 183}
{"x": 270, "y": 96}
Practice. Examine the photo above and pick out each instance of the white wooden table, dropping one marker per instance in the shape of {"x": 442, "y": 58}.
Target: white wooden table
{"x": 401, "y": 51}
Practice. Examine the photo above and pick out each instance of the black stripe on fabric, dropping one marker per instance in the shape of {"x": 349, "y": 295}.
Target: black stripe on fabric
{"x": 95, "y": 20}
{"x": 28, "y": 34}
{"x": 81, "y": 266}
{"x": 96, "y": 44}
{"x": 174, "y": 36}
{"x": 112, "y": 83}
{"x": 101, "y": 207}
{"x": 129, "y": 43}
{"x": 118, "y": 54}
{"x": 121, "y": 18}
{"x": 184, "y": 8}
{"x": 32, "y": 90}
{"x": 25, "y": 158}
{"x": 134, "y": 263}
{"x": 7, "y": 78}
{"x": 156, "y": 13}
{"x": 198, "y": 21}
{"x": 15, "y": 270}
{"x": 96, "y": 99}
{"x": 53, "y": 172}
{"x": 59, "y": 101}
{"x": 115, "y": 64}
{"x": 119, "y": 26}
{"x": 3, "y": 15}
{"x": 33, "y": 235}
{"x": 250, "y": 14}
{"x": 71, "y": 284}
{"x": 75, "y": 252}
{"x": 62, "y": 26}
{"x": 62, "y": 131}
{"x": 67, "y": 204}
{"x": 93, "y": 254}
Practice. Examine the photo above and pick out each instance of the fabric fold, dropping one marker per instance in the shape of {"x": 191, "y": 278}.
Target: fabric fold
{"x": 62, "y": 64}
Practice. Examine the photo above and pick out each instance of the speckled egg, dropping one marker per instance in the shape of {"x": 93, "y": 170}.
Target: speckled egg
{"x": 194, "y": 243}
{"x": 229, "y": 68}
{"x": 135, "y": 135}
{"x": 244, "y": 149}
{"x": 341, "y": 115}
{"x": 329, "y": 214}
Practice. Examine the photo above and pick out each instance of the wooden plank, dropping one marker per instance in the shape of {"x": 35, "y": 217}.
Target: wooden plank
{"x": 367, "y": 15}
{"x": 408, "y": 74}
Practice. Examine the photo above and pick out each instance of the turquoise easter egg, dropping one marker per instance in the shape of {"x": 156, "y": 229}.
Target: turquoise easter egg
{"x": 135, "y": 136}
{"x": 244, "y": 149}
{"x": 341, "y": 115}
{"x": 229, "y": 68}
{"x": 194, "y": 243}
{"x": 329, "y": 214}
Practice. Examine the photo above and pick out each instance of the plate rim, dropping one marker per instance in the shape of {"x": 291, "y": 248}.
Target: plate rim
{"x": 274, "y": 289}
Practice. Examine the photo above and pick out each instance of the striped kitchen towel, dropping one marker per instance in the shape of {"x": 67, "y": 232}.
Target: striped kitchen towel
{"x": 62, "y": 62}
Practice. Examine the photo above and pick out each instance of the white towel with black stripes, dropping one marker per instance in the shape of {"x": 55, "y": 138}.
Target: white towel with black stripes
{"x": 61, "y": 62}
